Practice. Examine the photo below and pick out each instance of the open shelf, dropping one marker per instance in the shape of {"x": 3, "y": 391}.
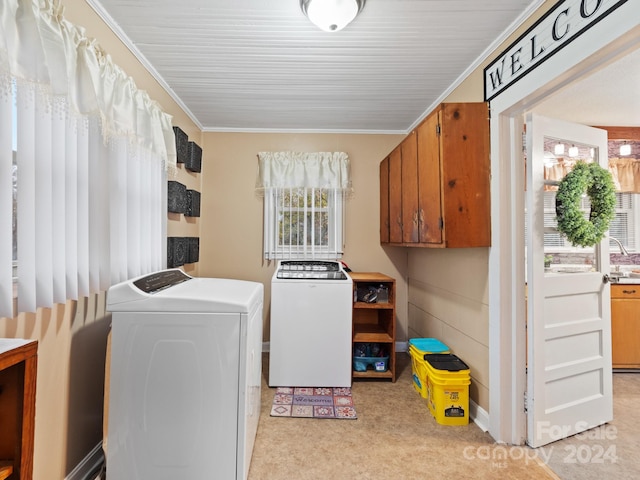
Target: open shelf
{"x": 6, "y": 469}
{"x": 375, "y": 322}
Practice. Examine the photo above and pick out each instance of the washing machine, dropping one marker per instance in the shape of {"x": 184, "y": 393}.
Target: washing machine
{"x": 185, "y": 377}
{"x": 310, "y": 335}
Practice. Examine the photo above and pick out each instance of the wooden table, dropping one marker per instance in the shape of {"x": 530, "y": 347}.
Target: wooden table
{"x": 18, "y": 367}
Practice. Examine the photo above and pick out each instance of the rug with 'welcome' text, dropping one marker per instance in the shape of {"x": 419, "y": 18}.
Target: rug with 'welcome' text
{"x": 313, "y": 402}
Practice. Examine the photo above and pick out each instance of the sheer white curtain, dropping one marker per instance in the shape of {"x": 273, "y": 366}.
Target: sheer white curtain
{"x": 92, "y": 153}
{"x": 303, "y": 203}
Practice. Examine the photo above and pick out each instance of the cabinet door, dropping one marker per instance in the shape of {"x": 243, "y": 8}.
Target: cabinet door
{"x": 384, "y": 201}
{"x": 410, "y": 229}
{"x": 395, "y": 195}
{"x": 625, "y": 326}
{"x": 428, "y": 172}
{"x": 464, "y": 146}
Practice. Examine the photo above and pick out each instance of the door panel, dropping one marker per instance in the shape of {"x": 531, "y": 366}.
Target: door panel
{"x": 395, "y": 196}
{"x": 430, "y": 196}
{"x": 384, "y": 201}
{"x": 410, "y": 189}
{"x": 569, "y": 385}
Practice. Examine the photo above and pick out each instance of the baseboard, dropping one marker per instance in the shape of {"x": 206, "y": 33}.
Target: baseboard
{"x": 479, "y": 416}
{"x": 88, "y": 465}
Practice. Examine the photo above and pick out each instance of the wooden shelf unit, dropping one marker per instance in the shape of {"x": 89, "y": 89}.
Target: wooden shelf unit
{"x": 375, "y": 322}
{"x": 18, "y": 364}
{"x": 6, "y": 469}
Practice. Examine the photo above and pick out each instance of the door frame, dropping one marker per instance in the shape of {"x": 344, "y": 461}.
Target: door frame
{"x": 605, "y": 42}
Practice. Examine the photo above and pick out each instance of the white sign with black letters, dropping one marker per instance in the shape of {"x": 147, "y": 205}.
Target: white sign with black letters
{"x": 565, "y": 22}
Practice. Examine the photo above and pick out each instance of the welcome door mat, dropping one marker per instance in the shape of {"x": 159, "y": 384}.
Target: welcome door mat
{"x": 314, "y": 402}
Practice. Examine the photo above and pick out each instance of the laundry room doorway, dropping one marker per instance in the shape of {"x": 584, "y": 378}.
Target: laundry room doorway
{"x": 596, "y": 49}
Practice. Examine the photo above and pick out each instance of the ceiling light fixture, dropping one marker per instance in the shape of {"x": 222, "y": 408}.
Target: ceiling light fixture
{"x": 625, "y": 149}
{"x": 558, "y": 149}
{"x": 331, "y": 15}
{"x": 573, "y": 151}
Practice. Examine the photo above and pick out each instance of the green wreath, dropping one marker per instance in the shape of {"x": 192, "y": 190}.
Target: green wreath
{"x": 597, "y": 182}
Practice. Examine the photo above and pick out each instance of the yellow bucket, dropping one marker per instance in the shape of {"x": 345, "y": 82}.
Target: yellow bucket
{"x": 448, "y": 381}
{"x": 418, "y": 348}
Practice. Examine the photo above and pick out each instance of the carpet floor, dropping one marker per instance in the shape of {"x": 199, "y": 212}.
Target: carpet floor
{"x": 395, "y": 436}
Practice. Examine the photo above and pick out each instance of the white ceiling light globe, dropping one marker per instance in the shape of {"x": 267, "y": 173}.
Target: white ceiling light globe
{"x": 331, "y": 15}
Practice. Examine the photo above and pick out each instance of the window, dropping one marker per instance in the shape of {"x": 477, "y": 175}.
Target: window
{"x": 623, "y": 227}
{"x": 303, "y": 203}
{"x": 303, "y": 223}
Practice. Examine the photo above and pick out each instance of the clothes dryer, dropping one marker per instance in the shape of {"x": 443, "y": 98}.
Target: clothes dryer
{"x": 185, "y": 377}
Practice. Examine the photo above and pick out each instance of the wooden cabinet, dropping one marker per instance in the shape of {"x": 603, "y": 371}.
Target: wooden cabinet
{"x": 384, "y": 201}
{"x": 625, "y": 326}
{"x": 435, "y": 184}
{"x": 395, "y": 195}
{"x": 375, "y": 322}
{"x": 18, "y": 360}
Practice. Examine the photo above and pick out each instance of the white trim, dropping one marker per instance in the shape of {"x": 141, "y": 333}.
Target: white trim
{"x": 89, "y": 464}
{"x": 611, "y": 38}
{"x": 479, "y": 415}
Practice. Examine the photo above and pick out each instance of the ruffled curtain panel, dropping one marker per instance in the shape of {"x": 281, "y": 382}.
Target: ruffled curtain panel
{"x": 327, "y": 170}
{"x": 91, "y": 153}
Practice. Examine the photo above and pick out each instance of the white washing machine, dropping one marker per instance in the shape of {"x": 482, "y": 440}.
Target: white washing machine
{"x": 310, "y": 336}
{"x": 185, "y": 377}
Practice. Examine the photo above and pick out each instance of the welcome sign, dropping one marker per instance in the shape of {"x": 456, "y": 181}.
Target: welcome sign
{"x": 565, "y": 22}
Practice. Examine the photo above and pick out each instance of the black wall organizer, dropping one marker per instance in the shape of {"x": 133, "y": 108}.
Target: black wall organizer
{"x": 177, "y": 251}
{"x": 182, "y": 250}
{"x": 177, "y": 198}
{"x": 182, "y": 145}
{"x": 194, "y": 249}
{"x": 194, "y": 158}
{"x": 193, "y": 203}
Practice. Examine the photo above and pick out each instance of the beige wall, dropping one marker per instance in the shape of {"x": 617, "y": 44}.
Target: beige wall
{"x": 231, "y": 222}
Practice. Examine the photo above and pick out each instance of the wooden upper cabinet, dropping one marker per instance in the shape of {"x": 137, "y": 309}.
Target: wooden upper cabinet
{"x": 395, "y": 195}
{"x": 428, "y": 176}
{"x": 410, "y": 227}
{"x": 465, "y": 166}
{"x": 384, "y": 201}
{"x": 438, "y": 182}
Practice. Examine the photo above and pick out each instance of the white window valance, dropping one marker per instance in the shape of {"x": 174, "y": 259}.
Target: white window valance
{"x": 328, "y": 170}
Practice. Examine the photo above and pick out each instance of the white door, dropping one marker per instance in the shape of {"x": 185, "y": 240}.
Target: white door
{"x": 568, "y": 307}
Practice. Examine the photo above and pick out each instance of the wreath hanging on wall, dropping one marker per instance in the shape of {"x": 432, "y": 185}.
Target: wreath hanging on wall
{"x": 597, "y": 182}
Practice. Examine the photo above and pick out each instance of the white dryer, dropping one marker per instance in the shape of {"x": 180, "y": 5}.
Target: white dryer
{"x": 185, "y": 377}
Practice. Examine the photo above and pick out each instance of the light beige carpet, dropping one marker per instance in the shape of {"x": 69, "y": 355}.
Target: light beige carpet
{"x": 394, "y": 437}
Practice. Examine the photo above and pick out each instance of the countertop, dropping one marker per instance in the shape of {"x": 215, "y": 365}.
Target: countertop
{"x": 7, "y": 344}
{"x": 618, "y": 275}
